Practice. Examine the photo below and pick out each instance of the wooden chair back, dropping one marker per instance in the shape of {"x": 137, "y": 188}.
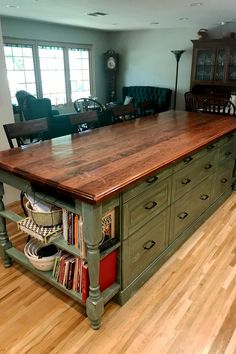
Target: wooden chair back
{"x": 218, "y": 106}
{"x": 87, "y": 104}
{"x": 123, "y": 112}
{"x": 191, "y": 102}
{"x": 26, "y": 132}
{"x": 83, "y": 121}
{"x": 148, "y": 107}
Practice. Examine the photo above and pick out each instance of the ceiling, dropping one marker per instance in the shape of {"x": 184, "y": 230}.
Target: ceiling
{"x": 124, "y": 14}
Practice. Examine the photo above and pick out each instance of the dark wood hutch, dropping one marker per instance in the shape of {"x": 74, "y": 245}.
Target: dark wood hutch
{"x": 213, "y": 67}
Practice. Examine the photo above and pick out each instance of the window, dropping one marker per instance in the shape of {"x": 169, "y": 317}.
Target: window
{"x": 79, "y": 73}
{"x": 60, "y": 72}
{"x": 20, "y": 69}
{"x": 52, "y": 73}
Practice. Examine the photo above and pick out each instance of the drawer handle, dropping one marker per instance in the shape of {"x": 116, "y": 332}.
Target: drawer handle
{"x": 210, "y": 147}
{"x": 188, "y": 159}
{"x": 149, "y": 244}
{"x": 228, "y": 153}
{"x": 204, "y": 197}
{"x": 182, "y": 215}
{"x": 208, "y": 166}
{"x": 224, "y": 180}
{"x": 152, "y": 179}
{"x": 150, "y": 205}
{"x": 186, "y": 181}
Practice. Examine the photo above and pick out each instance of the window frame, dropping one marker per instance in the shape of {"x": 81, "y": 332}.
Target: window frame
{"x": 66, "y": 46}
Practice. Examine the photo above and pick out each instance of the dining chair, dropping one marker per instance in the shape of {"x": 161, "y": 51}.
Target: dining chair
{"x": 191, "y": 102}
{"x": 218, "y": 106}
{"x": 24, "y": 133}
{"x": 148, "y": 107}
{"x": 123, "y": 112}
{"x": 83, "y": 121}
{"x": 88, "y": 104}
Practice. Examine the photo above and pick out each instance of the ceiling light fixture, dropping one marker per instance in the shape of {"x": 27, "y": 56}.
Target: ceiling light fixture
{"x": 12, "y": 6}
{"x": 97, "y": 14}
{"x": 196, "y": 4}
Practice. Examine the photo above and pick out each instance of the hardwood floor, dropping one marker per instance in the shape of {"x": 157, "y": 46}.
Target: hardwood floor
{"x": 187, "y": 307}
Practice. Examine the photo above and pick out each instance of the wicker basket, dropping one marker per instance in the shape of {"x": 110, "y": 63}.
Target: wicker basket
{"x": 51, "y": 218}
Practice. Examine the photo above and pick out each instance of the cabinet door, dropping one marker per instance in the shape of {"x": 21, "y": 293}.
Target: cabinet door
{"x": 205, "y": 65}
{"x": 220, "y": 65}
{"x": 231, "y": 75}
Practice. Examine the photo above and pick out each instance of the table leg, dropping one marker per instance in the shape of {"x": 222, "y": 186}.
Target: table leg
{"x": 4, "y": 240}
{"x": 92, "y": 231}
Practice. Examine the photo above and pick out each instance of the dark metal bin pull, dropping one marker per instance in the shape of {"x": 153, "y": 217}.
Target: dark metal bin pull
{"x": 186, "y": 181}
{"x": 208, "y": 166}
{"x": 152, "y": 179}
{"x": 228, "y": 153}
{"x": 150, "y": 205}
{"x": 149, "y": 244}
{"x": 204, "y": 197}
{"x": 210, "y": 147}
{"x": 182, "y": 215}
{"x": 188, "y": 159}
{"x": 223, "y": 180}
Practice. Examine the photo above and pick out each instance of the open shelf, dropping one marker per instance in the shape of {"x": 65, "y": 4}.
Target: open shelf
{"x": 20, "y": 258}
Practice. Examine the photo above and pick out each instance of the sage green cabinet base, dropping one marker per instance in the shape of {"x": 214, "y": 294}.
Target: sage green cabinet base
{"x": 123, "y": 296}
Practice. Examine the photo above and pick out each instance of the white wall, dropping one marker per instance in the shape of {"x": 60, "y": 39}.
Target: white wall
{"x": 146, "y": 58}
{"x": 6, "y": 116}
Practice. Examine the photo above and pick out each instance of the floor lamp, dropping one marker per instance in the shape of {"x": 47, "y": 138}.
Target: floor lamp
{"x": 177, "y": 54}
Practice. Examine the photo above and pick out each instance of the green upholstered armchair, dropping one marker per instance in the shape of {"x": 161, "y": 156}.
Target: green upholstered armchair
{"x": 33, "y": 108}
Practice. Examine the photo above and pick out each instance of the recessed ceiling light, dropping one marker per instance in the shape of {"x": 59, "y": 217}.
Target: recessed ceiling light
{"x": 196, "y": 4}
{"x": 13, "y": 6}
{"x": 183, "y": 19}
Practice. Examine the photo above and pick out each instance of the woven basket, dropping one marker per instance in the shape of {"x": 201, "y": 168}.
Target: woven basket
{"x": 51, "y": 218}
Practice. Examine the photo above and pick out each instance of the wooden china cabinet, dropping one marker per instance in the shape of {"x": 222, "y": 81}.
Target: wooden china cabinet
{"x": 213, "y": 67}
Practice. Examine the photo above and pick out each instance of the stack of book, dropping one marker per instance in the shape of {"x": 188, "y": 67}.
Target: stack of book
{"x": 72, "y": 272}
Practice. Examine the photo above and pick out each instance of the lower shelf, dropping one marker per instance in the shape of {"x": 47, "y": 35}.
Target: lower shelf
{"x": 20, "y": 258}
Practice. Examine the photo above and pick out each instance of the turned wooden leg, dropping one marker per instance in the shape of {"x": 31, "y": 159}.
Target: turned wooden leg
{"x": 92, "y": 231}
{"x": 4, "y": 240}
{"x": 94, "y": 303}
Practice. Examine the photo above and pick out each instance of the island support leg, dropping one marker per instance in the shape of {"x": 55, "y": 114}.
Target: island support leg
{"x": 4, "y": 240}
{"x": 92, "y": 231}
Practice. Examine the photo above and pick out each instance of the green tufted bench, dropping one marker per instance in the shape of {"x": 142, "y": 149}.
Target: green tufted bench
{"x": 161, "y": 96}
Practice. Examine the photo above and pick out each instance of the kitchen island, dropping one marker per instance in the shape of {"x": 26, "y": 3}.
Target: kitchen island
{"x": 163, "y": 175}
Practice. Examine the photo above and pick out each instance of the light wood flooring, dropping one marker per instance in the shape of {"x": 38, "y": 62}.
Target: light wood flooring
{"x": 187, "y": 307}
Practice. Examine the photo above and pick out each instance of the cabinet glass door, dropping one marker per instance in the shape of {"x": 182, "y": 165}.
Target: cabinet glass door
{"x": 205, "y": 65}
{"x": 220, "y": 65}
{"x": 232, "y": 66}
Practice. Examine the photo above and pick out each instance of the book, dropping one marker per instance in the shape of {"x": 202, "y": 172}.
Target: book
{"x": 85, "y": 282}
{"x": 65, "y": 224}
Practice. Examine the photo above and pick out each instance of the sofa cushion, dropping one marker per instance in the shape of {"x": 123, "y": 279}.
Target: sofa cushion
{"x": 160, "y": 95}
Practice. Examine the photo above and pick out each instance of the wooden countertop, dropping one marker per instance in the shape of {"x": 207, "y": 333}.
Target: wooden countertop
{"x": 94, "y": 165}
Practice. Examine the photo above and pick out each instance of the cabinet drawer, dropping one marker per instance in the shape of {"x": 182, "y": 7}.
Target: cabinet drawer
{"x": 223, "y": 179}
{"x": 147, "y": 184}
{"x": 191, "y": 159}
{"x": 139, "y": 250}
{"x": 228, "y": 150}
{"x": 190, "y": 207}
{"x": 185, "y": 179}
{"x": 138, "y": 210}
